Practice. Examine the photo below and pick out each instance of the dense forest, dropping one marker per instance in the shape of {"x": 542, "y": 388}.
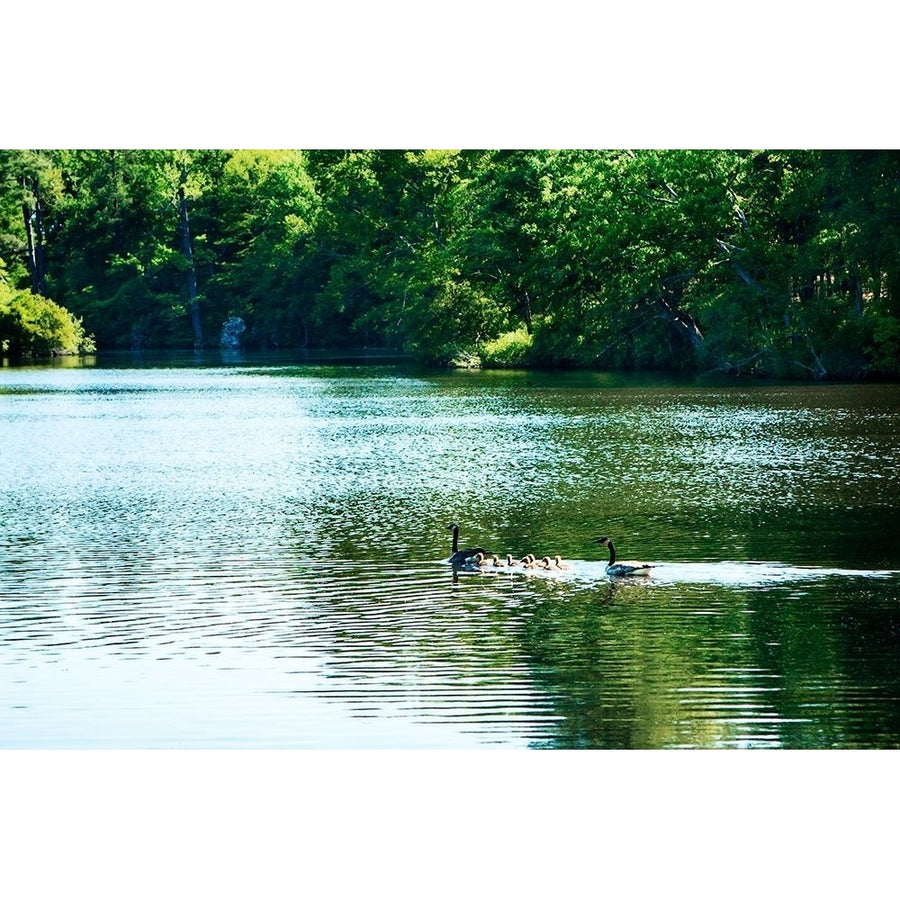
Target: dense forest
{"x": 782, "y": 263}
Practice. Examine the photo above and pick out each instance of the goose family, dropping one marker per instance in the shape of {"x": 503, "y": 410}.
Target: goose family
{"x": 478, "y": 559}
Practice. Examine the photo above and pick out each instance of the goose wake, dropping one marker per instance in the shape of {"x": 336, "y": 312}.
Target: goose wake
{"x": 746, "y": 574}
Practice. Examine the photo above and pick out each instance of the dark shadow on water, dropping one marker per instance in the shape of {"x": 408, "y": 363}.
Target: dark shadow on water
{"x": 218, "y": 357}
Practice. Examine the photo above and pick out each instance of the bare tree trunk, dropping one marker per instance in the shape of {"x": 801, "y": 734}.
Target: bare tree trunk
{"x": 34, "y": 231}
{"x": 193, "y": 302}
{"x": 39, "y": 257}
{"x": 857, "y": 288}
{"x": 526, "y": 311}
{"x": 29, "y": 233}
{"x": 817, "y": 370}
{"x": 684, "y": 323}
{"x": 118, "y": 240}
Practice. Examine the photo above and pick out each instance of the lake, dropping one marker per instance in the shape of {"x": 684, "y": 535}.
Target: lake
{"x": 236, "y": 554}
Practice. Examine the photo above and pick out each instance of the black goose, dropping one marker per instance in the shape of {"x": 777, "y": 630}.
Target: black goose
{"x": 460, "y": 557}
{"x": 622, "y": 568}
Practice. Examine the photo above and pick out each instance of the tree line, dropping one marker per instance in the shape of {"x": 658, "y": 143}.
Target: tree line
{"x": 783, "y": 263}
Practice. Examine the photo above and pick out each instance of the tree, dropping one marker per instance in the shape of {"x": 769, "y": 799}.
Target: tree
{"x": 391, "y": 222}
{"x": 269, "y": 211}
{"x": 32, "y": 180}
{"x": 134, "y": 243}
{"x": 771, "y": 262}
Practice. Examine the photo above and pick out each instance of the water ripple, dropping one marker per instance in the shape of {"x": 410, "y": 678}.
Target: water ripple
{"x": 257, "y": 558}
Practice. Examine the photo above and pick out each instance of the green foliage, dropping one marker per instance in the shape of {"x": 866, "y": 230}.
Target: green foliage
{"x": 31, "y": 325}
{"x": 268, "y": 208}
{"x": 770, "y": 262}
{"x": 509, "y": 351}
{"x": 884, "y": 351}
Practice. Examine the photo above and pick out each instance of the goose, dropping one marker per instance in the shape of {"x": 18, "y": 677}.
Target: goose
{"x": 496, "y": 562}
{"x": 459, "y": 557}
{"x": 512, "y": 562}
{"x": 557, "y": 560}
{"x": 469, "y": 562}
{"x": 544, "y": 563}
{"x": 622, "y": 568}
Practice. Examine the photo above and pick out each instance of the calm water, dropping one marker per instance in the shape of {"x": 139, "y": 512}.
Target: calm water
{"x": 243, "y": 556}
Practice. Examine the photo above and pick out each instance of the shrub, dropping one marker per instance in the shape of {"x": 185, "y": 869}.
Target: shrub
{"x": 508, "y": 351}
{"x": 32, "y": 325}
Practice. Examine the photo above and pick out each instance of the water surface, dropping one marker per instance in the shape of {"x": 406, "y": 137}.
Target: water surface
{"x": 254, "y": 556}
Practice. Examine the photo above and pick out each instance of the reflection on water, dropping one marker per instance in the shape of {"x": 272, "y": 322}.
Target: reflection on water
{"x": 256, "y": 557}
